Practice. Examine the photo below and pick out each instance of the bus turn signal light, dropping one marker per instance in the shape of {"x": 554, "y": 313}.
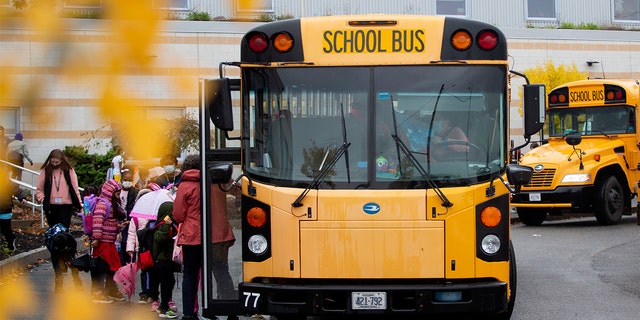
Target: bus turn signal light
{"x": 490, "y": 216}
{"x": 461, "y": 40}
{"x": 256, "y": 217}
{"x": 283, "y": 42}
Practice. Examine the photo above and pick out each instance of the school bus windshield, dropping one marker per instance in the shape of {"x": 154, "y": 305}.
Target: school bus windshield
{"x": 592, "y": 121}
{"x": 361, "y": 126}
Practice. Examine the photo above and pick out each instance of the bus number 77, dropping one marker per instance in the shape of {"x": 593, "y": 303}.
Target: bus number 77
{"x": 248, "y": 297}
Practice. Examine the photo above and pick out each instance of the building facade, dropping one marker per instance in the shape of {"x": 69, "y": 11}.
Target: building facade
{"x": 54, "y": 104}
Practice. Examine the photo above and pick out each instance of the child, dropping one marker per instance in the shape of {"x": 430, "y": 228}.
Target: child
{"x": 62, "y": 246}
{"x": 163, "y": 265}
{"x": 8, "y": 189}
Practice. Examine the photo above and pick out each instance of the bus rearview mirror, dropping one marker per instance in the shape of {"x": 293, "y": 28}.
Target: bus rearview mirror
{"x": 518, "y": 174}
{"x": 220, "y": 172}
{"x": 534, "y": 108}
{"x": 217, "y": 99}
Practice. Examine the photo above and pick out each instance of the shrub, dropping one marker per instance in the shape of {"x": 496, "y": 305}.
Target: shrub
{"x": 198, "y": 16}
{"x": 90, "y": 168}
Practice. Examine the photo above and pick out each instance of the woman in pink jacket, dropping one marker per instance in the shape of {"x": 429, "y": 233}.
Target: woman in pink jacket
{"x": 57, "y": 189}
{"x": 186, "y": 210}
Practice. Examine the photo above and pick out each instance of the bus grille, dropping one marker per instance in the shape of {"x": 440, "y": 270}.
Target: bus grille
{"x": 543, "y": 178}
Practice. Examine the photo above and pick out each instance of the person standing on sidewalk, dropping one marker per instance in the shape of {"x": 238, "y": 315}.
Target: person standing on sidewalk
{"x": 186, "y": 210}
{"x": 57, "y": 189}
{"x": 8, "y": 189}
{"x": 4, "y": 142}
{"x": 163, "y": 266}
{"x": 105, "y": 224}
{"x": 17, "y": 152}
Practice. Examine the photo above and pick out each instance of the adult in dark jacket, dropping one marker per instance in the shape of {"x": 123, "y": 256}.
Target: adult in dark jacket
{"x": 186, "y": 210}
{"x": 8, "y": 189}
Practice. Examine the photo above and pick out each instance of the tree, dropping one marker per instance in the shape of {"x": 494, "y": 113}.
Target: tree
{"x": 552, "y": 76}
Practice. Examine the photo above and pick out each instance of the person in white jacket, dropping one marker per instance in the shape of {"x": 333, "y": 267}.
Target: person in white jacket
{"x": 132, "y": 249}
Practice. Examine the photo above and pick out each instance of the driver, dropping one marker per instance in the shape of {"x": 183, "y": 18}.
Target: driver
{"x": 445, "y": 132}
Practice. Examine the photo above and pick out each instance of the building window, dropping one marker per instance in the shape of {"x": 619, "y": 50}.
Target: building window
{"x": 255, "y": 6}
{"x": 626, "y": 10}
{"x": 83, "y": 3}
{"x": 9, "y": 120}
{"x": 541, "y": 9}
{"x": 171, "y": 4}
{"x": 451, "y": 8}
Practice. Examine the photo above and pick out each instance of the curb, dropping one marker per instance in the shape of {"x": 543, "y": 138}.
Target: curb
{"x": 23, "y": 260}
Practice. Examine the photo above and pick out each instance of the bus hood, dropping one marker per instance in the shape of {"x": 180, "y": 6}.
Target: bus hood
{"x": 559, "y": 151}
{"x": 562, "y": 159}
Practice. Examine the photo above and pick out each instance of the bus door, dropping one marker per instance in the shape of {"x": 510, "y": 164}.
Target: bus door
{"x": 221, "y": 234}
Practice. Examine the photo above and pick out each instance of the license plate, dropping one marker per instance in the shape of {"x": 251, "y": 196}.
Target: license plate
{"x": 535, "y": 197}
{"x": 368, "y": 300}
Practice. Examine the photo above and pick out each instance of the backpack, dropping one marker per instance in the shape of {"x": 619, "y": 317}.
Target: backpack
{"x": 145, "y": 244}
{"x": 88, "y": 206}
{"x": 54, "y": 230}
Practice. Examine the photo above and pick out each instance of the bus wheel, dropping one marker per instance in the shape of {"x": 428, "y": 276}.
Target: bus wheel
{"x": 609, "y": 202}
{"x": 531, "y": 216}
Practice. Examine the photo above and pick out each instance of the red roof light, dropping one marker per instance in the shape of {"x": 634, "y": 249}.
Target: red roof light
{"x": 487, "y": 40}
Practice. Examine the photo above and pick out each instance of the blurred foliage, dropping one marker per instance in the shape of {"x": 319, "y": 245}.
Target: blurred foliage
{"x": 90, "y": 168}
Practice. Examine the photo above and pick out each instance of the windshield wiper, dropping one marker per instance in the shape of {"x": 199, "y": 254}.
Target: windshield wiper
{"x": 405, "y": 150}
{"x": 324, "y": 170}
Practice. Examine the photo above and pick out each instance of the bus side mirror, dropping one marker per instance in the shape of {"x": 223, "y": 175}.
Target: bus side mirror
{"x": 217, "y": 99}
{"x": 518, "y": 175}
{"x": 534, "y": 108}
{"x": 574, "y": 139}
{"x": 220, "y": 172}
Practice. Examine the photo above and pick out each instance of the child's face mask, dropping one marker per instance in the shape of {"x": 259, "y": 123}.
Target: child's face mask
{"x": 169, "y": 169}
{"x": 127, "y": 184}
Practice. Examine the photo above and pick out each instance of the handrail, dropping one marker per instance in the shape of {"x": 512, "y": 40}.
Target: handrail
{"x": 31, "y": 187}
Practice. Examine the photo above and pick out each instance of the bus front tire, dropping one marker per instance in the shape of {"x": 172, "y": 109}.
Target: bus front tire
{"x": 609, "y": 203}
{"x": 531, "y": 216}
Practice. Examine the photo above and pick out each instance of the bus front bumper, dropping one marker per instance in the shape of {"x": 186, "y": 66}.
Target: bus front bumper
{"x": 564, "y": 199}
{"x": 286, "y": 299}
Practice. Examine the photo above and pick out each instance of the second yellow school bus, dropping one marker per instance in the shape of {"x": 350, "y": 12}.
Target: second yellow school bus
{"x": 591, "y": 162}
{"x": 358, "y": 198}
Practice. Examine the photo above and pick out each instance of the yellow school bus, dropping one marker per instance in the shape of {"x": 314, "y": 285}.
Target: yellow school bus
{"x": 372, "y": 156}
{"x": 590, "y": 163}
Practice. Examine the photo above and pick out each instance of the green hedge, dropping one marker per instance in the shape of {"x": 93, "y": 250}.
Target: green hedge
{"x": 90, "y": 168}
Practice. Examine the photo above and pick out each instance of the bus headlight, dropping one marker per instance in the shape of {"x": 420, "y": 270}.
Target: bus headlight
{"x": 257, "y": 244}
{"x": 490, "y": 244}
{"x": 578, "y": 177}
